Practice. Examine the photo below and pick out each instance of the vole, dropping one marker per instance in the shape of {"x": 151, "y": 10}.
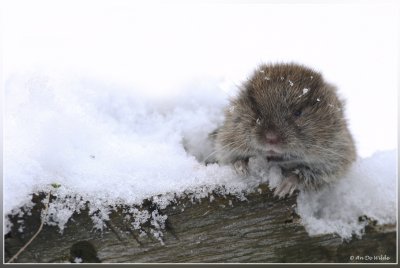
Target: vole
{"x": 289, "y": 115}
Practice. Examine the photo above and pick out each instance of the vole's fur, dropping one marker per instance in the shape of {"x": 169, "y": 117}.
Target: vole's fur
{"x": 288, "y": 114}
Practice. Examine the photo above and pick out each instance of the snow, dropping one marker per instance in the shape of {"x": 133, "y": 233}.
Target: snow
{"x": 104, "y": 109}
{"x": 78, "y": 260}
{"x": 305, "y": 91}
{"x": 53, "y": 130}
{"x": 368, "y": 189}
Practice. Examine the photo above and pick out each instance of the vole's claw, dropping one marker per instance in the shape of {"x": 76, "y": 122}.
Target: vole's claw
{"x": 241, "y": 167}
{"x": 287, "y": 187}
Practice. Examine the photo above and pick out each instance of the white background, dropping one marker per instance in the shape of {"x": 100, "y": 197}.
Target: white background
{"x": 161, "y": 46}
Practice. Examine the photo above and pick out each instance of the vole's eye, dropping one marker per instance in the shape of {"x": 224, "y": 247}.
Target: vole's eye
{"x": 258, "y": 121}
{"x": 297, "y": 113}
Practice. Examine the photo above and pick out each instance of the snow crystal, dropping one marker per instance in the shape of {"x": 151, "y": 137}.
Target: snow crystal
{"x": 78, "y": 260}
{"x": 305, "y": 91}
{"x": 141, "y": 145}
{"x": 291, "y": 83}
{"x": 212, "y": 198}
{"x": 368, "y": 189}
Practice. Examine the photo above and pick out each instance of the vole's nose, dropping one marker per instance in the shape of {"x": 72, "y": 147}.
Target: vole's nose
{"x": 272, "y": 137}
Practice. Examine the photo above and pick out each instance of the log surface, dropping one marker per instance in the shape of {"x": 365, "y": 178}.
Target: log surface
{"x": 262, "y": 229}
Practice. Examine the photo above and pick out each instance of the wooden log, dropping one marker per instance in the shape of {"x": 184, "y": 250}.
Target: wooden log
{"x": 262, "y": 229}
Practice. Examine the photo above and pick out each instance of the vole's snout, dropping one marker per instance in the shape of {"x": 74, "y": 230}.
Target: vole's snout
{"x": 272, "y": 138}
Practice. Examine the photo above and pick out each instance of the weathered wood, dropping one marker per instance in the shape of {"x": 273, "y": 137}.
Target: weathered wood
{"x": 263, "y": 229}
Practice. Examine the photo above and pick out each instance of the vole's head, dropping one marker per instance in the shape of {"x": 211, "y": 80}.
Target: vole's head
{"x": 288, "y": 109}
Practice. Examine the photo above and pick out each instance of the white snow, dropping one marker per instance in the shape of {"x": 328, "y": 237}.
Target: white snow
{"x": 305, "y": 91}
{"x": 107, "y": 145}
{"x": 78, "y": 260}
{"x": 368, "y": 189}
{"x": 104, "y": 104}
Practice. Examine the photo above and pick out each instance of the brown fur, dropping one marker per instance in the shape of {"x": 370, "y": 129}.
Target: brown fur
{"x": 296, "y": 104}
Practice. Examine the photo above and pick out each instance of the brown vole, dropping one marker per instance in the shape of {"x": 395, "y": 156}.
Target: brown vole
{"x": 289, "y": 115}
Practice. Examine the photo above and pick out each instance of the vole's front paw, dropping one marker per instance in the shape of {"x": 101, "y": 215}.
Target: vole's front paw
{"x": 287, "y": 186}
{"x": 241, "y": 167}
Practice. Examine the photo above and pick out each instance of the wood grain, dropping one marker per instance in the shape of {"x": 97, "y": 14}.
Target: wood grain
{"x": 262, "y": 229}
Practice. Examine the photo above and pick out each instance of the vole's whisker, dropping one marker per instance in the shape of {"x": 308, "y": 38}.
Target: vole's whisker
{"x": 328, "y": 150}
{"x": 222, "y": 148}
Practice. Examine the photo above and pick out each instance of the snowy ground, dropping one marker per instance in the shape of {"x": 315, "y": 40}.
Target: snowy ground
{"x": 102, "y": 102}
